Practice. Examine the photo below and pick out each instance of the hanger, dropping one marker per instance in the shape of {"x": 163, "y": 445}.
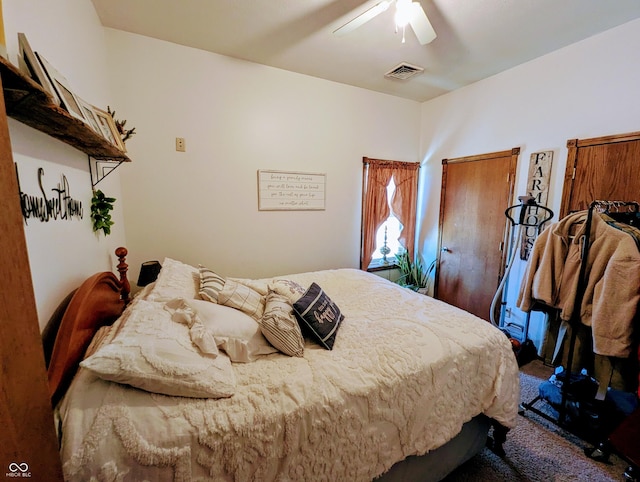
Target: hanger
{"x": 627, "y": 212}
{"x": 527, "y": 202}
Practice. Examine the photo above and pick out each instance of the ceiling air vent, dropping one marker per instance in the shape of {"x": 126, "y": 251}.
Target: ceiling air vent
{"x": 404, "y": 71}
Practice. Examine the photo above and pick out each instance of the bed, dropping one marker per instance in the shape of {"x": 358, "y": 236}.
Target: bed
{"x": 181, "y": 386}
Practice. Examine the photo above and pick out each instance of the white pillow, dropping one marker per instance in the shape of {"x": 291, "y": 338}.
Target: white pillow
{"x": 236, "y": 333}
{"x": 291, "y": 290}
{"x": 176, "y": 280}
{"x": 153, "y": 353}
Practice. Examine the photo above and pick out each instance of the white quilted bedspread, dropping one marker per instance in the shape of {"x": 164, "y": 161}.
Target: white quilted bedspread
{"x": 404, "y": 375}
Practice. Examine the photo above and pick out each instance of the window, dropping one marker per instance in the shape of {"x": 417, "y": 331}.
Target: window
{"x": 388, "y": 201}
{"x": 388, "y": 233}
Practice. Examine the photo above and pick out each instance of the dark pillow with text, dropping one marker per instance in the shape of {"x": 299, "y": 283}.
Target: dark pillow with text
{"x": 319, "y": 315}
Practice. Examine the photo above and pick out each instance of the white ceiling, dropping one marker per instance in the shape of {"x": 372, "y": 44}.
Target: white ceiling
{"x": 476, "y": 38}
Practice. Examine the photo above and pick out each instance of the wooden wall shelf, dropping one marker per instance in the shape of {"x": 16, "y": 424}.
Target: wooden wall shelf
{"x": 27, "y": 102}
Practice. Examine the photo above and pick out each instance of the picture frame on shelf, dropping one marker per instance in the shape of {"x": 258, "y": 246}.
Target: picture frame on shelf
{"x": 90, "y": 116}
{"x": 68, "y": 99}
{"x": 109, "y": 128}
{"x": 31, "y": 66}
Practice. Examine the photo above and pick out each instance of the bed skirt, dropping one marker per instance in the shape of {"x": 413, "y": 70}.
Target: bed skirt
{"x": 439, "y": 463}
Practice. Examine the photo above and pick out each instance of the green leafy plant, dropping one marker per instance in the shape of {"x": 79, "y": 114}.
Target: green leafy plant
{"x": 412, "y": 272}
{"x": 101, "y": 207}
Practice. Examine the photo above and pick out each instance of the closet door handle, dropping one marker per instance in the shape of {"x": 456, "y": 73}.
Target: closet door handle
{"x": 444, "y": 249}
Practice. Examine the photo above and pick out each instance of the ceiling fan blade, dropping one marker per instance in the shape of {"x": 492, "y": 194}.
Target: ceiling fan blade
{"x": 421, "y": 25}
{"x": 363, "y": 18}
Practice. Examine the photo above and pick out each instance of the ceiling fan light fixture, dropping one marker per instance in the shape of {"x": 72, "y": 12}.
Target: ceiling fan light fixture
{"x": 407, "y": 13}
{"x": 403, "y": 13}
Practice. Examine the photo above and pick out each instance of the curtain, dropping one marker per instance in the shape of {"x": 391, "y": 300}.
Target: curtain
{"x": 375, "y": 206}
{"x": 403, "y": 203}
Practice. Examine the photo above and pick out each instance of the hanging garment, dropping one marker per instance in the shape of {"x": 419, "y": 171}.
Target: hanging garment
{"x": 631, "y": 230}
{"x": 552, "y": 272}
{"x": 612, "y": 286}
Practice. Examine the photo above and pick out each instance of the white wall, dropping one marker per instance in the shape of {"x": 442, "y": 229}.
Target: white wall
{"x": 588, "y": 89}
{"x": 62, "y": 253}
{"x": 237, "y": 117}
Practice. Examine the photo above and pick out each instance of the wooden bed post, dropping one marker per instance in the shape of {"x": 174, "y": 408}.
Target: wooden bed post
{"x": 121, "y": 253}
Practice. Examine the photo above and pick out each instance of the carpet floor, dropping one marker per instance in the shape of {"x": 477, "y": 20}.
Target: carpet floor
{"x": 538, "y": 450}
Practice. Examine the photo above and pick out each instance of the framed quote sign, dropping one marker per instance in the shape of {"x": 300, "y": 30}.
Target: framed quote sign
{"x": 290, "y": 191}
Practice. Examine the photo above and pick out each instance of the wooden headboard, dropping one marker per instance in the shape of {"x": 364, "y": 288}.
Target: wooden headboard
{"x": 99, "y": 301}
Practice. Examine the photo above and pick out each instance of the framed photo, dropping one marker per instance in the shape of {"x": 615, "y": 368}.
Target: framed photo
{"x": 109, "y": 129}
{"x": 68, "y": 99}
{"x": 90, "y": 116}
{"x": 30, "y": 65}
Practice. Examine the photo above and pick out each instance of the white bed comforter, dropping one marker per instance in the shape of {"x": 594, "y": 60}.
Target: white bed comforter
{"x": 404, "y": 375}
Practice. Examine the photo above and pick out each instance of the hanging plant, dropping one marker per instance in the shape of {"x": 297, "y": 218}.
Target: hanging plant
{"x": 101, "y": 207}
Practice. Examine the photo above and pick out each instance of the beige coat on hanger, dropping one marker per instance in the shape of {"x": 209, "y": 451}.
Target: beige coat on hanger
{"x": 612, "y": 289}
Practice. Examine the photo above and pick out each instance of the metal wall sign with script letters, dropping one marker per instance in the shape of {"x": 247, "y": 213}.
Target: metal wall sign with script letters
{"x": 538, "y": 188}
{"x": 55, "y": 203}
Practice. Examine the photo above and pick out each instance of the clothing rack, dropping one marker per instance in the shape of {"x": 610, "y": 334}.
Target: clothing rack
{"x": 609, "y": 207}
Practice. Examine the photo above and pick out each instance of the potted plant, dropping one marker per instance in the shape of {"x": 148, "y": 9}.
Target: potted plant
{"x": 412, "y": 272}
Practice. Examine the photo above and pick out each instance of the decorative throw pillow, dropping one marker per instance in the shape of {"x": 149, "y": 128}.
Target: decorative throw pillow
{"x": 242, "y": 298}
{"x": 280, "y": 327}
{"x": 211, "y": 284}
{"x": 176, "y": 280}
{"x": 153, "y": 353}
{"x": 235, "y": 333}
{"x": 319, "y": 314}
{"x": 259, "y": 285}
{"x": 285, "y": 287}
{"x": 291, "y": 290}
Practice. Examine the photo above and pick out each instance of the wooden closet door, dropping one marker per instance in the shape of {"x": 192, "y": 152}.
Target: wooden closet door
{"x": 476, "y": 190}
{"x": 28, "y": 443}
{"x": 602, "y": 168}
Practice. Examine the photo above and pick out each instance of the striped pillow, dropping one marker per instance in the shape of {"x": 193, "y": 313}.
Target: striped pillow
{"x": 280, "y": 327}
{"x": 211, "y": 284}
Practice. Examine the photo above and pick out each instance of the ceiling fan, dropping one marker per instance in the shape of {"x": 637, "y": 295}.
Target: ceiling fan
{"x": 407, "y": 13}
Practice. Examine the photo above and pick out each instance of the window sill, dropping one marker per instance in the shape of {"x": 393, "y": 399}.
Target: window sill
{"x": 379, "y": 265}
